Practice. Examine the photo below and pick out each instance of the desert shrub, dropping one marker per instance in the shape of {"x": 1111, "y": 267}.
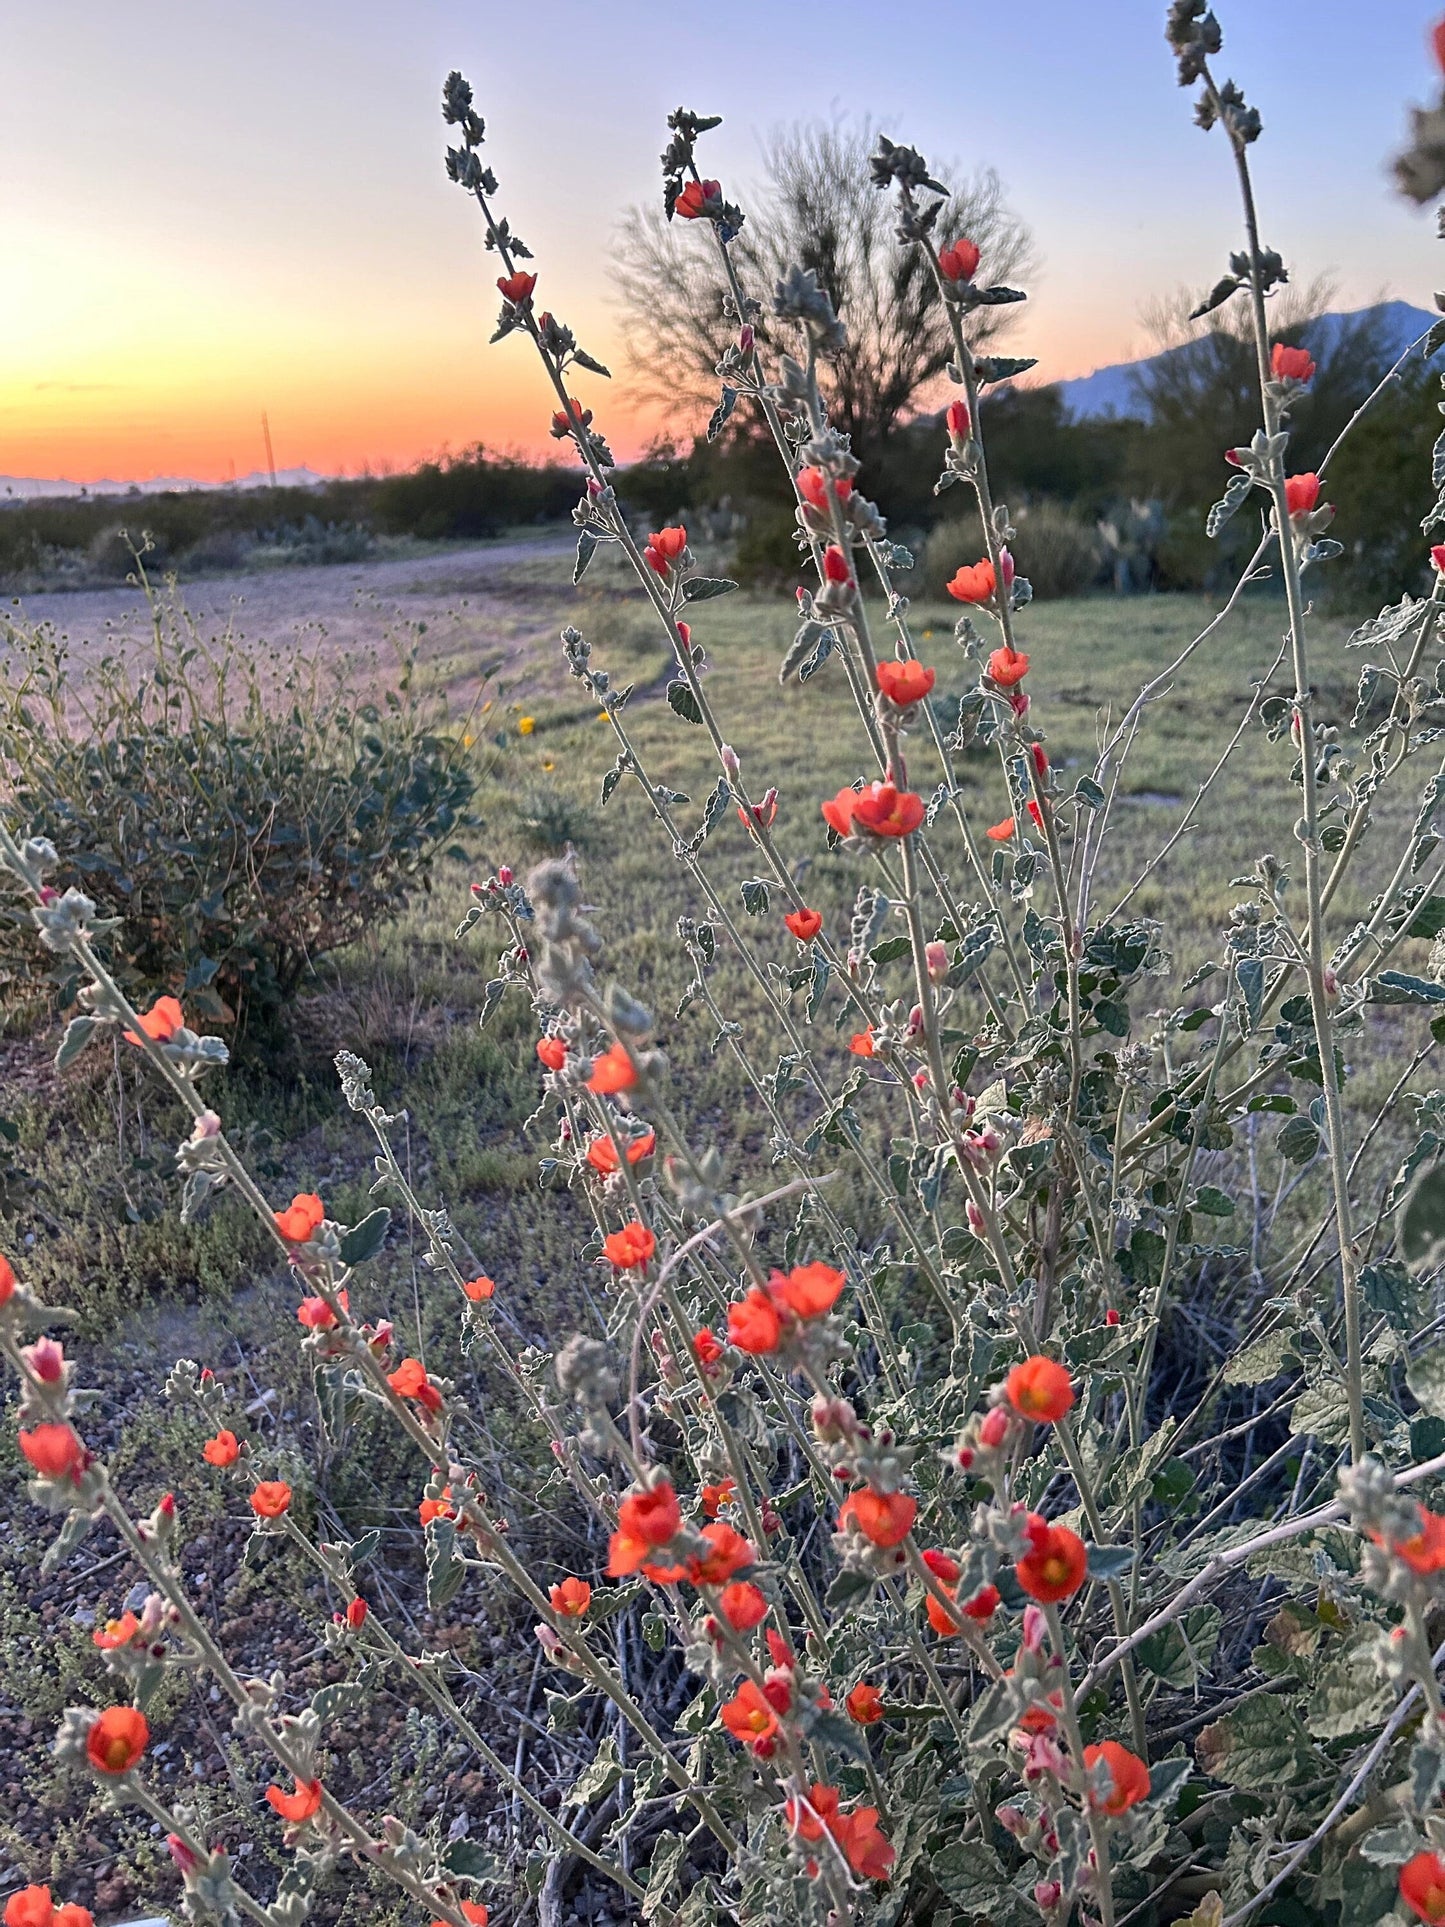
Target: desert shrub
{"x": 1009, "y": 1500}
{"x": 766, "y": 556}
{"x": 233, "y": 827}
{"x": 1058, "y": 552}
{"x": 549, "y": 819}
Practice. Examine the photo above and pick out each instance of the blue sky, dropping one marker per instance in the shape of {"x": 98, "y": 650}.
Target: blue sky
{"x": 213, "y": 208}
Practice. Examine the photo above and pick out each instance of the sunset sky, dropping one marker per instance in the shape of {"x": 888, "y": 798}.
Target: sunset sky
{"x": 212, "y": 209}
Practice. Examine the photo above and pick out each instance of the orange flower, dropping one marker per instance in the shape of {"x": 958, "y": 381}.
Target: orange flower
{"x": 1127, "y": 1772}
{"x": 805, "y": 924}
{"x": 298, "y": 1806}
{"x": 813, "y": 487}
{"x": 1291, "y": 364}
{"x": 602, "y": 1152}
{"x": 270, "y": 1498}
{"x": 959, "y": 262}
{"x": 728, "y": 1553}
{"x": 1000, "y": 832}
{"x": 1424, "y": 1551}
{"x": 1007, "y": 667}
{"x": 865, "y": 1704}
{"x": 7, "y": 1291}
{"x": 943, "y": 1622}
{"x": 300, "y": 1218}
{"x": 809, "y": 1819}
{"x": 1056, "y": 1563}
{"x": 1301, "y": 492}
{"x": 553, "y": 1052}
{"x": 974, "y": 582}
{"x": 693, "y": 201}
{"x": 1039, "y": 1390}
{"x": 479, "y": 1289}
{"x": 612, "y": 1071}
{"x": 30, "y": 1907}
{"x": 754, "y": 1324}
{"x": 356, "y": 1611}
{"x": 54, "y": 1451}
{"x": 838, "y": 810}
{"x": 160, "y": 1023}
{"x": 885, "y": 810}
{"x": 645, "y": 1520}
{"x": 116, "y": 1632}
{"x": 884, "y": 1517}
{"x": 984, "y": 1604}
{"x": 117, "y": 1739}
{"x": 223, "y": 1449}
{"x": 517, "y": 287}
{"x": 571, "y": 1599}
{"x": 749, "y": 1718}
{"x": 410, "y": 1380}
{"x": 808, "y": 1290}
{"x": 743, "y": 1606}
{"x": 72, "y": 1915}
{"x": 629, "y": 1248}
{"x": 905, "y": 682}
{"x": 316, "y": 1315}
{"x": 472, "y": 1910}
{"x": 715, "y": 1497}
{"x": 664, "y": 546}
{"x": 706, "y": 1350}
{"x": 865, "y": 1844}
{"x": 1422, "y": 1887}
{"x": 861, "y": 1042}
{"x": 430, "y": 1509}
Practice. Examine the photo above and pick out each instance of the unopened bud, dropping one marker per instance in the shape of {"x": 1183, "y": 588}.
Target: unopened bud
{"x": 935, "y": 956}
{"x": 994, "y": 1428}
{"x": 728, "y": 757}
{"x": 504, "y": 874}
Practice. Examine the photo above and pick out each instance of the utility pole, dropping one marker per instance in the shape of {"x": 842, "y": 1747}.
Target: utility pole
{"x": 270, "y": 458}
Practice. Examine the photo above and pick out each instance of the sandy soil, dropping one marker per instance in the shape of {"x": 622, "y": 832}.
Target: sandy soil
{"x": 467, "y": 611}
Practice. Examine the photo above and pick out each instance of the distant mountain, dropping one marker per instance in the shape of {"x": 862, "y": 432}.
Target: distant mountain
{"x": 28, "y": 488}
{"x": 1115, "y": 391}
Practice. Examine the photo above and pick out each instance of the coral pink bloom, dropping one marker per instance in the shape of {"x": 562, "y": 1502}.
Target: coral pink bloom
{"x": 516, "y": 288}
{"x": 160, "y": 1023}
{"x": 694, "y": 199}
{"x": 613, "y": 1071}
{"x": 116, "y": 1632}
{"x": 813, "y": 487}
{"x": 743, "y": 1606}
{"x": 1006, "y": 667}
{"x": 552, "y": 1051}
{"x": 223, "y": 1449}
{"x": 7, "y": 1289}
{"x": 298, "y": 1806}
{"x": 410, "y": 1380}
{"x": 300, "y": 1218}
{"x": 1056, "y": 1564}
{"x": 754, "y": 1325}
{"x": 1039, "y": 1389}
{"x": 835, "y": 565}
{"x": 628, "y": 1248}
{"x": 117, "y": 1739}
{"x": 861, "y": 1042}
{"x": 905, "y": 682}
{"x": 838, "y": 811}
{"x": 804, "y": 924}
{"x": 865, "y": 1704}
{"x": 884, "y": 810}
{"x": 664, "y": 546}
{"x": 54, "y": 1451}
{"x": 973, "y": 582}
{"x": 271, "y": 1498}
{"x": 808, "y": 1290}
{"x": 959, "y": 262}
{"x": 1301, "y": 492}
{"x": 958, "y": 420}
{"x": 645, "y": 1520}
{"x": 571, "y": 1599}
{"x": 1127, "y": 1772}
{"x": 884, "y": 1517}
{"x": 749, "y": 1717}
{"x": 865, "y": 1844}
{"x": 1291, "y": 364}
{"x": 602, "y": 1152}
{"x": 1422, "y": 1880}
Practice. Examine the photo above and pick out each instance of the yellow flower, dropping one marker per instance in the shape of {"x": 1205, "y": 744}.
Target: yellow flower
{"x": 486, "y": 705}
{"x": 526, "y": 725}
{"x": 467, "y": 741}
{"x": 548, "y": 766}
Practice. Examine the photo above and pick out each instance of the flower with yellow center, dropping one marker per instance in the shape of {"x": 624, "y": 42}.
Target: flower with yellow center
{"x": 525, "y": 725}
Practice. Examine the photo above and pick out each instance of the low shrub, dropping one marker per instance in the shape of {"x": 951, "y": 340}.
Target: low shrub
{"x": 233, "y": 829}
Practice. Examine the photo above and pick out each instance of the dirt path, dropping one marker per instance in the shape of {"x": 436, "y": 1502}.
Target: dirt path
{"x": 464, "y": 610}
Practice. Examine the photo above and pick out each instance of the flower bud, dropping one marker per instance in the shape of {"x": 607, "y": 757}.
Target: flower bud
{"x": 935, "y": 956}
{"x": 1035, "y": 1627}
{"x": 728, "y": 757}
{"x": 1047, "y": 1894}
{"x": 185, "y": 1860}
{"x": 977, "y": 1223}
{"x": 995, "y": 1424}
{"x": 504, "y": 874}
{"x": 959, "y": 422}
{"x": 835, "y": 564}
{"x": 915, "y": 1021}
{"x": 1111, "y": 1317}
{"x": 46, "y": 1360}
{"x": 746, "y": 338}
{"x": 550, "y": 1641}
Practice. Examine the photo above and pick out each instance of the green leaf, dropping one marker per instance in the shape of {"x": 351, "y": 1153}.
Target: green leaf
{"x": 1395, "y": 987}
{"x": 702, "y": 588}
{"x": 890, "y": 949}
{"x": 1323, "y": 1413}
{"x": 681, "y": 699}
{"x": 364, "y": 1240}
{"x": 1420, "y": 1222}
{"x": 1112, "y": 1017}
{"x": 1428, "y": 919}
{"x": 1180, "y": 1653}
{"x": 756, "y": 894}
{"x": 1110, "y": 1562}
{"x": 846, "y": 1587}
{"x": 1425, "y": 1377}
{"x": 444, "y": 1570}
{"x": 1390, "y": 1290}
{"x": 467, "y": 1860}
{"x": 668, "y": 1854}
{"x": 78, "y": 1033}
{"x": 1349, "y": 1694}
{"x": 599, "y": 1776}
{"x": 1261, "y": 1361}
{"x": 586, "y": 549}
{"x": 1299, "y": 1140}
{"x": 1260, "y": 1744}
{"x": 1212, "y": 1202}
